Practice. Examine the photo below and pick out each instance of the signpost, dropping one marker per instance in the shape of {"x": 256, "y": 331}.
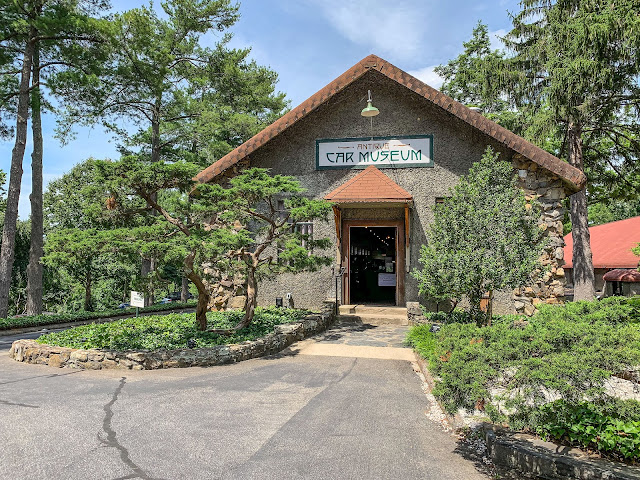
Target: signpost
{"x": 383, "y": 152}
{"x": 137, "y": 300}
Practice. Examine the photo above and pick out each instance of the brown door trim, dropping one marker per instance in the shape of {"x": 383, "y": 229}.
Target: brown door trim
{"x": 400, "y": 254}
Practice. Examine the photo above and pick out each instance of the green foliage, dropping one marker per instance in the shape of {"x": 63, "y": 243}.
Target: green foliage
{"x": 575, "y": 68}
{"x": 611, "y": 427}
{"x": 482, "y": 238}
{"x": 422, "y": 340}
{"x": 170, "y": 331}
{"x": 38, "y": 320}
{"x": 457, "y": 315}
{"x": 564, "y": 350}
{"x": 471, "y": 80}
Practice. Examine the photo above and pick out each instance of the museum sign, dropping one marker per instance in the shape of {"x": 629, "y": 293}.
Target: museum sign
{"x": 383, "y": 152}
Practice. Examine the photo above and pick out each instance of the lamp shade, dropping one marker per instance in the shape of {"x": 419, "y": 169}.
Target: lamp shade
{"x": 369, "y": 110}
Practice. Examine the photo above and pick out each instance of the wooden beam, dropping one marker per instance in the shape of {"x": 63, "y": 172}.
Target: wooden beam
{"x": 407, "y": 230}
{"x": 337, "y": 216}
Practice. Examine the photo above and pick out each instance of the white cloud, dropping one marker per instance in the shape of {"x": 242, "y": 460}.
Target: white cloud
{"x": 394, "y": 29}
{"x": 428, "y": 76}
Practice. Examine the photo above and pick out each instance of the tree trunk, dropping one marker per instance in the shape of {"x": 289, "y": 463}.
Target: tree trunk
{"x": 252, "y": 299}
{"x": 88, "y": 307}
{"x": 583, "y": 274}
{"x": 34, "y": 269}
{"x": 149, "y": 265}
{"x": 203, "y": 293}
{"x": 184, "y": 292}
{"x": 7, "y": 251}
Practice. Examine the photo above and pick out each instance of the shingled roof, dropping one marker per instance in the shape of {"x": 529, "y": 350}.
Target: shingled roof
{"x": 369, "y": 186}
{"x": 611, "y": 244}
{"x": 573, "y": 177}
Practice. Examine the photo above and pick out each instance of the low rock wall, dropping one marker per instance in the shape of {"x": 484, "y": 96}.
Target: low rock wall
{"x": 29, "y": 351}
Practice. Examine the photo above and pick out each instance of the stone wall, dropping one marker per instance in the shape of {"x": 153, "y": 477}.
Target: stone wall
{"x": 548, "y": 190}
{"x": 29, "y": 351}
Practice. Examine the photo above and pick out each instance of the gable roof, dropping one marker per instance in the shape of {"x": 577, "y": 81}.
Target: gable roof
{"x": 611, "y": 244}
{"x": 574, "y": 178}
{"x": 369, "y": 186}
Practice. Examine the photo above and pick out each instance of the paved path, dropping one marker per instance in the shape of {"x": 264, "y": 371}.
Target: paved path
{"x": 291, "y": 416}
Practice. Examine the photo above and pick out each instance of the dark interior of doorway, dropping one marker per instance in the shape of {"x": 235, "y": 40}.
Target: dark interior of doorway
{"x": 373, "y": 265}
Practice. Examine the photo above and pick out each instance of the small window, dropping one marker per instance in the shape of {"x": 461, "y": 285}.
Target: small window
{"x": 305, "y": 229}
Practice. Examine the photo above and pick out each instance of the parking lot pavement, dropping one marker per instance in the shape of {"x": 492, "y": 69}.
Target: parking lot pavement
{"x": 286, "y": 417}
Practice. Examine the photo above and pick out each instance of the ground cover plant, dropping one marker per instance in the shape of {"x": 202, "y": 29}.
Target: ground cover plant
{"x": 171, "y": 331}
{"x": 38, "y": 320}
{"x": 611, "y": 427}
{"x": 517, "y": 366}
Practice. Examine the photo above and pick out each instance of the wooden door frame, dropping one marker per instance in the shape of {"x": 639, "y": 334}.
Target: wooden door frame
{"x": 345, "y": 255}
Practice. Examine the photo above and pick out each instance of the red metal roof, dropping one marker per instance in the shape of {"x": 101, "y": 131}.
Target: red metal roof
{"x": 574, "y": 178}
{"x": 369, "y": 186}
{"x": 622, "y": 275}
{"x": 611, "y": 244}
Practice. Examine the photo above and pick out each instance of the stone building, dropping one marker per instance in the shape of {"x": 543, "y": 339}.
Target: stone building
{"x": 384, "y": 174}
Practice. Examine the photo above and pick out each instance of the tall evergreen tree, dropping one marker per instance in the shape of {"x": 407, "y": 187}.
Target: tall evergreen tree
{"x": 577, "y": 65}
{"x": 49, "y": 36}
{"x": 182, "y": 97}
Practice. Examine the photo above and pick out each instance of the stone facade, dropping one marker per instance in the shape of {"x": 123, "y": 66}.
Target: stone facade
{"x": 29, "y": 351}
{"x": 548, "y": 191}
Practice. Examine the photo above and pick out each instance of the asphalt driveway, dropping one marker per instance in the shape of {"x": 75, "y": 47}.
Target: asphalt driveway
{"x": 287, "y": 417}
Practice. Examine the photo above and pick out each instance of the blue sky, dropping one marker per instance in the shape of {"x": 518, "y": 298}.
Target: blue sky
{"x": 309, "y": 43}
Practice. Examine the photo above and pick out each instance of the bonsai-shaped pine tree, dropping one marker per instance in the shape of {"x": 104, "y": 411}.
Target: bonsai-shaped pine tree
{"x": 237, "y": 229}
{"x": 483, "y": 238}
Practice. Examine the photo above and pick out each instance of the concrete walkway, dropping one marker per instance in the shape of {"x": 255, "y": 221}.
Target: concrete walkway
{"x": 359, "y": 340}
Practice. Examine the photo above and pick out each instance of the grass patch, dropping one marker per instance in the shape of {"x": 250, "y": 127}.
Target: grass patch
{"x": 38, "y": 320}
{"x": 170, "y": 331}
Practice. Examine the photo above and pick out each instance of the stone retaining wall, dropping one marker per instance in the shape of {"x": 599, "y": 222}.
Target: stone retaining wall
{"x": 29, "y": 351}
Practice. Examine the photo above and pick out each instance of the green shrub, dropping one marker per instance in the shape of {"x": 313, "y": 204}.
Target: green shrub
{"x": 422, "y": 340}
{"x": 38, "y": 320}
{"x": 170, "y": 331}
{"x": 567, "y": 350}
{"x": 611, "y": 427}
{"x": 609, "y": 310}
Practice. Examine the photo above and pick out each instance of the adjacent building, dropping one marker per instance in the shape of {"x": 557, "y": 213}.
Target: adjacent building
{"x": 611, "y": 245}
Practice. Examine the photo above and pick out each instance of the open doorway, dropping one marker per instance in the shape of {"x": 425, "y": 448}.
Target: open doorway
{"x": 373, "y": 265}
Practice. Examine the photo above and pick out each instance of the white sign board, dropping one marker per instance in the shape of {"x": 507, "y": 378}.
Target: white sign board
{"x": 386, "y": 279}
{"x": 137, "y": 299}
{"x": 382, "y": 152}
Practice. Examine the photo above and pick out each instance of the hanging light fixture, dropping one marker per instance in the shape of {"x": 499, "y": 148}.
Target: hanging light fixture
{"x": 369, "y": 110}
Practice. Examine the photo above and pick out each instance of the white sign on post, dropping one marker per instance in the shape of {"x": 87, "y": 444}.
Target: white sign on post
{"x": 383, "y": 152}
{"x": 137, "y": 299}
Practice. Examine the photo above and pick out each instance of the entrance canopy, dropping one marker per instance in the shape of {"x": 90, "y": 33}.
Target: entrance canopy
{"x": 369, "y": 186}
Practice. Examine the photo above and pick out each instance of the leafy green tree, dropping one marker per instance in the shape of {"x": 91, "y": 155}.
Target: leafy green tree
{"x": 576, "y": 67}
{"x": 182, "y": 100}
{"x": 471, "y": 79}
{"x": 75, "y": 214}
{"x": 237, "y": 229}
{"x": 482, "y": 238}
